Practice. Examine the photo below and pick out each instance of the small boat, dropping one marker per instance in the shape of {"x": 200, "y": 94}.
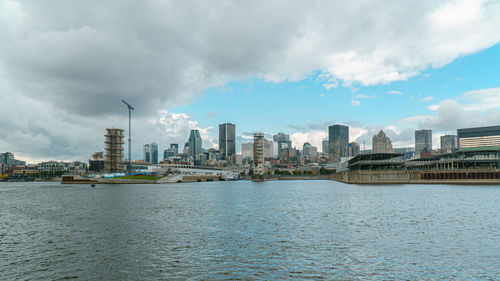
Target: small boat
{"x": 92, "y": 185}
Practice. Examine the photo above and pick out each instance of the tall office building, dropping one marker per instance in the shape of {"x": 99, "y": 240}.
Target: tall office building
{"x": 168, "y": 153}
{"x": 154, "y": 153}
{"x": 186, "y": 148}
{"x": 258, "y": 157}
{"x": 324, "y": 144}
{"x": 283, "y": 141}
{"x": 354, "y": 149}
{"x": 113, "y": 147}
{"x": 381, "y": 143}
{"x": 146, "y": 153}
{"x": 227, "y": 140}
{"x": 423, "y": 141}
{"x": 449, "y": 143}
{"x": 338, "y": 142}
{"x": 195, "y": 144}
{"x": 479, "y": 137}
{"x": 309, "y": 150}
{"x": 175, "y": 148}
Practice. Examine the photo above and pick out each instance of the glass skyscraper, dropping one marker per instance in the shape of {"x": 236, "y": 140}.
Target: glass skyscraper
{"x": 338, "y": 142}
{"x": 195, "y": 144}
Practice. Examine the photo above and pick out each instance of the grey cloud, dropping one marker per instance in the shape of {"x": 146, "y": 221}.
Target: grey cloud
{"x": 65, "y": 65}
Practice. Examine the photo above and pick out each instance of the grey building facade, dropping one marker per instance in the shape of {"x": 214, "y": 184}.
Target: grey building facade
{"x": 283, "y": 141}
{"x": 449, "y": 143}
{"x": 423, "y": 141}
{"x": 227, "y": 140}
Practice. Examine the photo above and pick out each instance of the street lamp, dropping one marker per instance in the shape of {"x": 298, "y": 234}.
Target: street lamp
{"x": 130, "y": 108}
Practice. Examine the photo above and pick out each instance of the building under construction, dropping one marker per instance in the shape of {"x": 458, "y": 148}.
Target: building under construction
{"x": 113, "y": 146}
{"x": 258, "y": 157}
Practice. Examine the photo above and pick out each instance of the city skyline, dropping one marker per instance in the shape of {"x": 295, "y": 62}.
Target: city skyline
{"x": 438, "y": 73}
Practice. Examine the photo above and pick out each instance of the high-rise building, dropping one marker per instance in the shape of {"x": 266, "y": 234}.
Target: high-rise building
{"x": 227, "y": 140}
{"x": 175, "y": 148}
{"x": 324, "y": 144}
{"x": 154, "y": 153}
{"x": 283, "y": 141}
{"x": 423, "y": 141}
{"x": 449, "y": 143}
{"x": 338, "y": 142}
{"x": 354, "y": 149}
{"x": 258, "y": 157}
{"x": 309, "y": 150}
{"x": 186, "y": 148}
{"x": 195, "y": 145}
{"x": 381, "y": 143}
{"x": 479, "y": 137}
{"x": 146, "y": 153}
{"x": 113, "y": 147}
{"x": 247, "y": 150}
{"x": 169, "y": 152}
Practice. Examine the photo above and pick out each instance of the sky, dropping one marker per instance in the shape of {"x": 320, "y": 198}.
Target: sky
{"x": 267, "y": 66}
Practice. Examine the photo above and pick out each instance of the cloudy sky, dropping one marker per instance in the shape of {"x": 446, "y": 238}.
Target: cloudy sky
{"x": 270, "y": 66}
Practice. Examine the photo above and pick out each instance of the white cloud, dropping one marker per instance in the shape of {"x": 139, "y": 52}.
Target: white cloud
{"x": 426, "y": 99}
{"x": 314, "y": 137}
{"x": 484, "y": 99}
{"x": 355, "y": 103}
{"x": 395, "y": 92}
{"x": 363, "y": 96}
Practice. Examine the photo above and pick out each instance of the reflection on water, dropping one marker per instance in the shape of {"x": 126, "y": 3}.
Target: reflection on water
{"x": 231, "y": 230}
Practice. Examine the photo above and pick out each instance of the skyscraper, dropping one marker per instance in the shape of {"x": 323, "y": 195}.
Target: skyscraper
{"x": 449, "y": 143}
{"x": 325, "y": 146}
{"x": 354, "y": 149}
{"x": 338, "y": 142}
{"x": 175, "y": 148}
{"x": 283, "y": 141}
{"x": 381, "y": 143}
{"x": 146, "y": 153}
{"x": 227, "y": 140}
{"x": 154, "y": 153}
{"x": 423, "y": 141}
{"x": 195, "y": 144}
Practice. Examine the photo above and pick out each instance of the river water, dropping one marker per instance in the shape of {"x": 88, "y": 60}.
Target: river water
{"x": 244, "y": 230}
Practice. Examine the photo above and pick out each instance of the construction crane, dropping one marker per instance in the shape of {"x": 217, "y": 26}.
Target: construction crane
{"x": 130, "y": 108}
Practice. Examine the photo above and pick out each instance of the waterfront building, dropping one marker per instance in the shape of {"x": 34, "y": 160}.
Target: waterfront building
{"x": 8, "y": 159}
{"x": 377, "y": 162}
{"x": 449, "y": 143}
{"x": 146, "y": 153}
{"x": 195, "y": 145}
{"x": 227, "y": 140}
{"x": 423, "y": 141}
{"x": 258, "y": 157}
{"x": 354, "y": 149}
{"x": 324, "y": 147}
{"x": 381, "y": 143}
{"x": 96, "y": 162}
{"x": 479, "y": 138}
{"x": 113, "y": 147}
{"x": 283, "y": 141}
{"x": 338, "y": 142}
{"x": 175, "y": 148}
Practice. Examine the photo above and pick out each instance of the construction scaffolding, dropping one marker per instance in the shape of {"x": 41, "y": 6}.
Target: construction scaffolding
{"x": 113, "y": 146}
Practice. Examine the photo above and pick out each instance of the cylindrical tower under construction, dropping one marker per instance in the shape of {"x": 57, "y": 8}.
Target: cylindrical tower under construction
{"x": 113, "y": 146}
{"x": 258, "y": 157}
